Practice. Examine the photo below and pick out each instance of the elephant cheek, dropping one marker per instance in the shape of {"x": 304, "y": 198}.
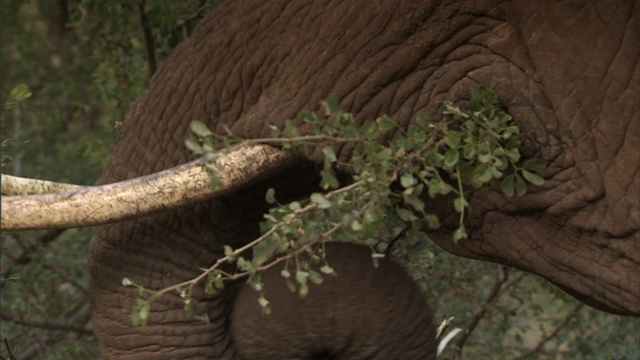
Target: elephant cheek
{"x": 363, "y": 313}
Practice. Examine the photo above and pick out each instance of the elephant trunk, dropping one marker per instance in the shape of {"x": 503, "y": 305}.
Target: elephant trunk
{"x": 362, "y": 313}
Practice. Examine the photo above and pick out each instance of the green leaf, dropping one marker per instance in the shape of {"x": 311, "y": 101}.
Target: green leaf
{"x": 414, "y": 201}
{"x": 475, "y": 103}
{"x": 434, "y": 188}
{"x": 219, "y": 283}
{"x": 326, "y": 269}
{"x": 453, "y": 139}
{"x": 285, "y": 273}
{"x": 256, "y": 282}
{"x": 422, "y": 120}
{"x": 469, "y": 151}
{"x": 329, "y": 180}
{"x": 509, "y": 185}
{"x": 521, "y": 187}
{"x": 210, "y": 157}
{"x": 513, "y": 155}
{"x": 308, "y": 117}
{"x": 315, "y": 277}
{"x": 244, "y": 264}
{"x": 188, "y": 308}
{"x": 330, "y": 105}
{"x": 143, "y": 312}
{"x": 208, "y": 146}
{"x": 320, "y": 200}
{"x": 407, "y": 180}
{"x": 471, "y": 127}
{"x": 460, "y": 203}
{"x": 18, "y": 94}
{"x": 263, "y": 301}
{"x": 417, "y": 134}
{"x": 200, "y": 129}
{"x": 459, "y": 233}
{"x": 451, "y": 157}
{"x": 228, "y": 250}
{"x": 370, "y": 130}
{"x": 385, "y": 124}
{"x": 532, "y": 178}
{"x": 485, "y": 158}
{"x": 270, "y": 196}
{"x": 303, "y": 291}
{"x": 373, "y": 215}
{"x": 294, "y": 206}
{"x": 263, "y": 251}
{"x": 290, "y": 130}
{"x": 405, "y": 215}
{"x": 483, "y": 171}
{"x": 384, "y": 154}
{"x": 497, "y": 174}
{"x": 534, "y": 165}
{"x": 510, "y": 131}
{"x": 209, "y": 288}
{"x": 302, "y": 276}
{"x": 291, "y": 286}
{"x": 356, "y": 225}
{"x": 193, "y": 145}
{"x": 329, "y": 154}
{"x": 433, "y": 221}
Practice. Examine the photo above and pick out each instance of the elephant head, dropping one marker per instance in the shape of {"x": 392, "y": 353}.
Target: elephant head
{"x": 567, "y": 71}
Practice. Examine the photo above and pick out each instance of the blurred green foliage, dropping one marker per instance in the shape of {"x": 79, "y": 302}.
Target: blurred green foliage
{"x": 85, "y": 62}
{"x": 518, "y": 315}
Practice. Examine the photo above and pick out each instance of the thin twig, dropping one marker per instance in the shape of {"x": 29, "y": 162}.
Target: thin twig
{"x": 149, "y": 41}
{"x": 306, "y": 138}
{"x": 238, "y": 251}
{"x": 325, "y": 235}
{"x": 12, "y": 356}
{"x": 66, "y": 278}
{"x": 48, "y": 325}
{"x": 25, "y": 257}
{"x": 494, "y": 294}
{"x": 182, "y": 22}
{"x": 553, "y": 334}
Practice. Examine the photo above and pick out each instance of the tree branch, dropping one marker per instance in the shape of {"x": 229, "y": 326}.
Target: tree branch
{"x": 494, "y": 294}
{"x": 553, "y": 334}
{"x": 149, "y": 41}
{"x": 182, "y": 22}
{"x": 25, "y": 257}
{"x": 80, "y": 316}
{"x": 48, "y": 325}
{"x": 11, "y": 355}
{"x": 68, "y": 279}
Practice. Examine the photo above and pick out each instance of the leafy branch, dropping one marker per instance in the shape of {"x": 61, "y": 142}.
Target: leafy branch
{"x": 467, "y": 148}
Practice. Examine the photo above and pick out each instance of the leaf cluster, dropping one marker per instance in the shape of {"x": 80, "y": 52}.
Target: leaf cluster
{"x": 391, "y": 182}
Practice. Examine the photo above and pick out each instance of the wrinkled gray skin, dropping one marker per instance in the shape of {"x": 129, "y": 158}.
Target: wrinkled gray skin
{"x": 566, "y": 70}
{"x": 356, "y": 315}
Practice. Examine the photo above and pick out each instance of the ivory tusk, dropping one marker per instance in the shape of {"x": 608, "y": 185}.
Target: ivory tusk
{"x": 235, "y": 167}
{"x": 15, "y": 185}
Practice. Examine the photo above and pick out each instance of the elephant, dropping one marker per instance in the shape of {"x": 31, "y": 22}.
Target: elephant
{"x": 566, "y": 70}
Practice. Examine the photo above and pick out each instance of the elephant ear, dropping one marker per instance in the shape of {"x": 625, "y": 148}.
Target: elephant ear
{"x": 362, "y": 313}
